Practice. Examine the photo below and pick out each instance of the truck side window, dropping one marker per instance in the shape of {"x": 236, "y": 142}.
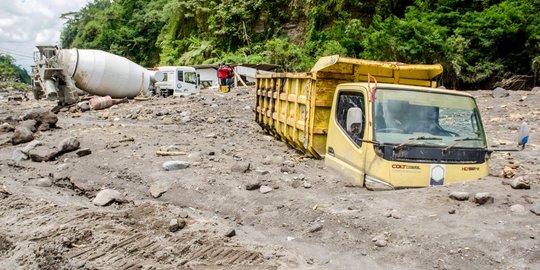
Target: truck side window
{"x": 180, "y": 76}
{"x": 350, "y": 115}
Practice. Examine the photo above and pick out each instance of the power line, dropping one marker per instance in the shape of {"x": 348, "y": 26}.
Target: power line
{"x": 19, "y": 42}
{"x": 15, "y": 53}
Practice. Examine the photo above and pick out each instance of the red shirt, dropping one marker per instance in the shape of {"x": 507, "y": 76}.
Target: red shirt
{"x": 222, "y": 72}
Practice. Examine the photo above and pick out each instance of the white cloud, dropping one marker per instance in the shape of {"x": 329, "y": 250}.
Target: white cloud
{"x": 27, "y": 23}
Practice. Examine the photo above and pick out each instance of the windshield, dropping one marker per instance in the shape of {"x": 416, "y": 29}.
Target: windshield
{"x": 422, "y": 118}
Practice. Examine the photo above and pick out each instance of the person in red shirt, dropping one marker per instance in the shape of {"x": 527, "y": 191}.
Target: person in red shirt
{"x": 222, "y": 74}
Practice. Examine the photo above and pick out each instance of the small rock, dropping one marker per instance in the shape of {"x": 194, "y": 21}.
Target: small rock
{"x": 287, "y": 169}
{"x": 195, "y": 155}
{"x": 517, "y": 208}
{"x": 69, "y": 144}
{"x": 211, "y": 135}
{"x": 288, "y": 163}
{"x": 499, "y": 92}
{"x": 253, "y": 184}
{"x": 535, "y": 208}
{"x": 173, "y": 148}
{"x": 185, "y": 119}
{"x": 520, "y": 183}
{"x": 107, "y": 196}
{"x": 83, "y": 106}
{"x": 44, "y": 182}
{"x": 167, "y": 121}
{"x": 459, "y": 196}
{"x": 265, "y": 189}
{"x": 396, "y": 214}
{"x": 230, "y": 233}
{"x": 19, "y": 155}
{"x": 241, "y": 167}
{"x": 273, "y": 160}
{"x": 31, "y": 146}
{"x": 176, "y": 225}
{"x": 159, "y": 187}
{"x": 42, "y": 155}
{"x": 84, "y": 152}
{"x": 452, "y": 211}
{"x": 381, "y": 243}
{"x": 381, "y": 240}
{"x": 315, "y": 228}
{"x": 483, "y": 198}
{"x": 22, "y": 135}
{"x": 31, "y": 124}
{"x": 307, "y": 184}
{"x": 508, "y": 172}
{"x": 262, "y": 172}
{"x": 6, "y": 127}
{"x": 173, "y": 165}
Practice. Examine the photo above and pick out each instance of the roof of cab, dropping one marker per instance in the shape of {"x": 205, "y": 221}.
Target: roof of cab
{"x": 406, "y": 87}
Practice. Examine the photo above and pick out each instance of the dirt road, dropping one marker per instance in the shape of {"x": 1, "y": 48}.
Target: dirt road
{"x": 199, "y": 214}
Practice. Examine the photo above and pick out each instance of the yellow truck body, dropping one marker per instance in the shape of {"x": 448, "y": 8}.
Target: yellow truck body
{"x": 303, "y": 110}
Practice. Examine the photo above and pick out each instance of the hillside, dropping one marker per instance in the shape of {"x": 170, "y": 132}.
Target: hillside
{"x": 479, "y": 42}
{"x": 12, "y": 75}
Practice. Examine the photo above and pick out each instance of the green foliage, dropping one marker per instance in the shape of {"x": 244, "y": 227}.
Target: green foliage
{"x": 11, "y": 72}
{"x": 478, "y": 41}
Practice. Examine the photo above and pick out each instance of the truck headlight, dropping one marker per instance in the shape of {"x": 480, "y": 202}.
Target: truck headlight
{"x": 373, "y": 183}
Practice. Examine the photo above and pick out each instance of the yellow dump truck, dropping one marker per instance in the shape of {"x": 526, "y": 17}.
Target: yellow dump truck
{"x": 383, "y": 124}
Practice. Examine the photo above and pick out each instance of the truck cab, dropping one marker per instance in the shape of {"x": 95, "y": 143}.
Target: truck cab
{"x": 390, "y": 136}
{"x": 178, "y": 81}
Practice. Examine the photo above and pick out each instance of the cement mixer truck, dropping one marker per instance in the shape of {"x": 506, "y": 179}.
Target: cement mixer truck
{"x": 64, "y": 74}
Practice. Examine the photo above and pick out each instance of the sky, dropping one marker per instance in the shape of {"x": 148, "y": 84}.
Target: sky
{"x": 27, "y": 23}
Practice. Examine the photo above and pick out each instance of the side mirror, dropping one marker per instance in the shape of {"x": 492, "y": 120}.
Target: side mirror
{"x": 523, "y": 135}
{"x": 354, "y": 119}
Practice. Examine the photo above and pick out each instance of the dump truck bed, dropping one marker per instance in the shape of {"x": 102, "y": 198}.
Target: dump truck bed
{"x": 295, "y": 107}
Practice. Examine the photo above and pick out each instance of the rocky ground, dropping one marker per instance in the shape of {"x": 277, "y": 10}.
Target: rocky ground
{"x": 95, "y": 190}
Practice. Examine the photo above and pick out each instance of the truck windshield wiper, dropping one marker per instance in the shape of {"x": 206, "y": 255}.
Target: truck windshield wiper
{"x": 419, "y": 138}
{"x": 460, "y": 140}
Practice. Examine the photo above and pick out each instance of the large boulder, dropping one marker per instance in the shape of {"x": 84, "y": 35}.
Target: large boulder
{"x": 45, "y": 118}
{"x": 22, "y": 135}
{"x": 499, "y": 92}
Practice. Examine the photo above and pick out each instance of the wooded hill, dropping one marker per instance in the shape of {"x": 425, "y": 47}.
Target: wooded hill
{"x": 9, "y": 72}
{"x": 479, "y": 42}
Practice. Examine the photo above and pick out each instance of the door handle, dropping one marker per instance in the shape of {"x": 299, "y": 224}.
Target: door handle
{"x": 331, "y": 151}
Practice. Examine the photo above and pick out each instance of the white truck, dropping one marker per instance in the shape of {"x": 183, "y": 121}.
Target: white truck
{"x": 178, "y": 81}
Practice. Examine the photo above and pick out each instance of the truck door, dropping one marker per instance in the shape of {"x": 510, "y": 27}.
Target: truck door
{"x": 191, "y": 80}
{"x": 346, "y": 132}
{"x": 179, "y": 86}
